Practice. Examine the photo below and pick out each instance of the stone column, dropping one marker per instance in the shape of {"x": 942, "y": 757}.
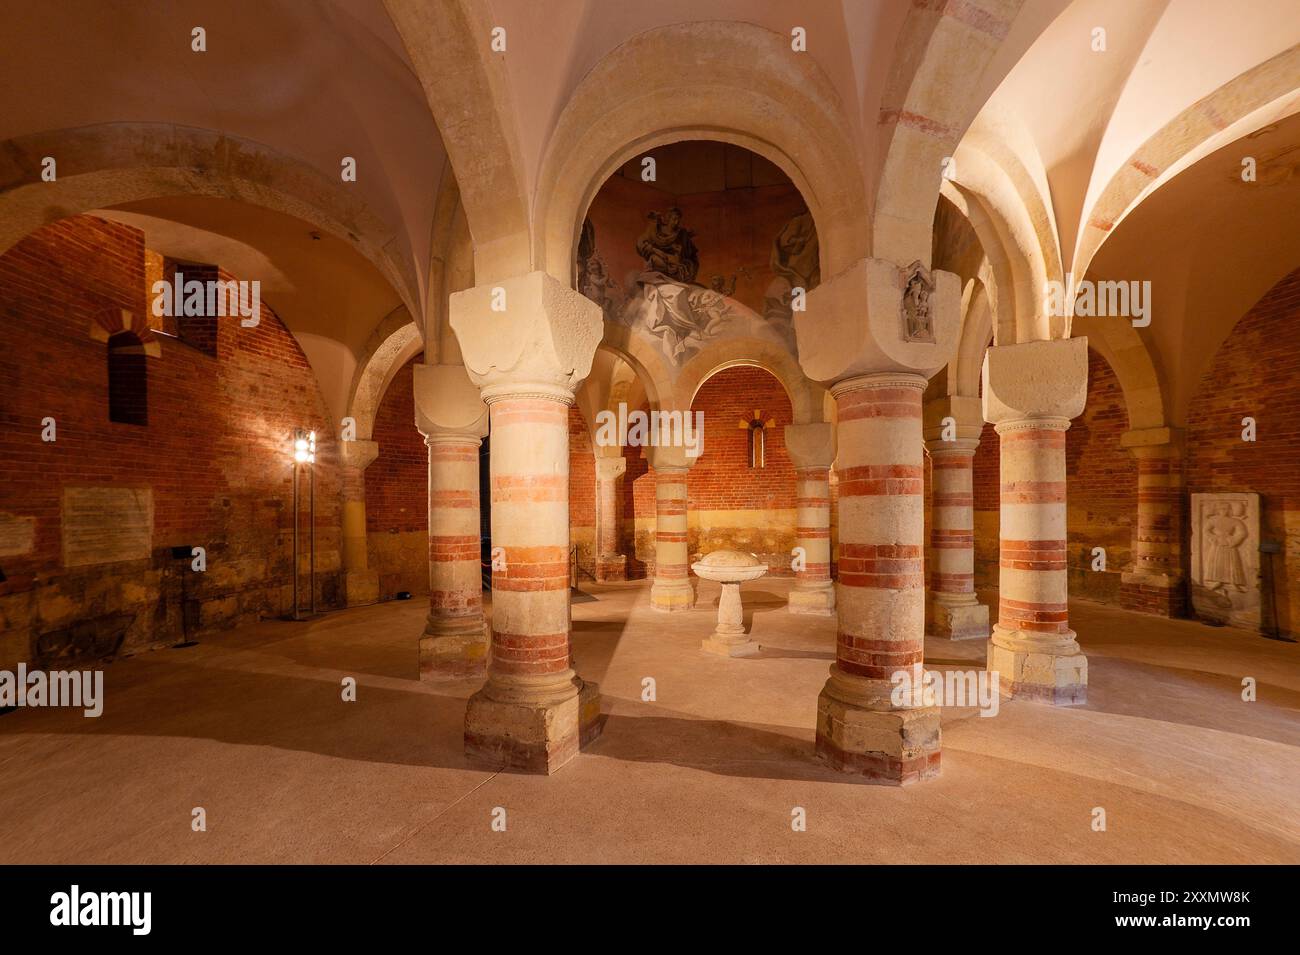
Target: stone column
{"x": 1155, "y": 583}
{"x": 360, "y": 583}
{"x": 812, "y": 450}
{"x": 1031, "y": 392}
{"x": 611, "y": 564}
{"x": 672, "y": 589}
{"x": 453, "y": 420}
{"x": 877, "y": 346}
{"x": 534, "y": 712}
{"x": 952, "y": 429}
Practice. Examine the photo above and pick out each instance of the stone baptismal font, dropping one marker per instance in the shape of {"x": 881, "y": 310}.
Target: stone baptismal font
{"x": 731, "y": 568}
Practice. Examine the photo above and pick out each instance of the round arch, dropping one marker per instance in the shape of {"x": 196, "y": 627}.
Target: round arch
{"x": 805, "y": 396}
{"x": 395, "y": 342}
{"x": 732, "y": 82}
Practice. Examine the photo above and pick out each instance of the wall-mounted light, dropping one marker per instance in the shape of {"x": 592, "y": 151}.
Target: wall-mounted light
{"x": 304, "y": 454}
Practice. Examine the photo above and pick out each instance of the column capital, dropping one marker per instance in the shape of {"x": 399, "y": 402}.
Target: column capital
{"x": 879, "y": 316}
{"x": 811, "y": 445}
{"x": 669, "y": 458}
{"x": 967, "y": 415}
{"x": 526, "y": 336}
{"x": 1042, "y": 381}
{"x": 448, "y": 403}
{"x": 609, "y": 468}
{"x": 358, "y": 454}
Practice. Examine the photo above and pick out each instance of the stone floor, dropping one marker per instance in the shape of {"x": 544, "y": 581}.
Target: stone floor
{"x": 251, "y": 727}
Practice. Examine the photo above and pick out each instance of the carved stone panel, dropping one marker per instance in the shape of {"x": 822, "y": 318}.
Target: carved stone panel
{"x": 917, "y": 317}
{"x": 1225, "y": 558}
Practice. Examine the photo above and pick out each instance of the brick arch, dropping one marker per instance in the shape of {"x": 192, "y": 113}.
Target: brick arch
{"x": 389, "y": 348}
{"x": 806, "y": 397}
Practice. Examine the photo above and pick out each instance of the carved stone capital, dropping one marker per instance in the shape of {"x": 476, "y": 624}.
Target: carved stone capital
{"x": 358, "y": 454}
{"x": 447, "y": 401}
{"x": 1035, "y": 380}
{"x": 811, "y": 445}
{"x": 526, "y": 336}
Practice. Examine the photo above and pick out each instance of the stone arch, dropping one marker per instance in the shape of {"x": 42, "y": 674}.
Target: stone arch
{"x": 1124, "y": 350}
{"x": 731, "y": 82}
{"x": 949, "y": 58}
{"x": 651, "y": 369}
{"x": 805, "y": 396}
{"x": 976, "y": 336}
{"x": 469, "y": 95}
{"x": 1257, "y": 97}
{"x": 395, "y": 342}
{"x": 113, "y": 163}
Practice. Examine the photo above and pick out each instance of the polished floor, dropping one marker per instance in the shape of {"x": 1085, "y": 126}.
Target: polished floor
{"x": 251, "y": 727}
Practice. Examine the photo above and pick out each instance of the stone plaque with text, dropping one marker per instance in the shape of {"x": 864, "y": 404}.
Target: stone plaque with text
{"x": 102, "y": 525}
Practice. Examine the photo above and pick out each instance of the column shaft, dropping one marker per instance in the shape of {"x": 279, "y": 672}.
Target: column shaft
{"x": 1033, "y": 648}
{"x": 672, "y": 590}
{"x": 1154, "y": 584}
{"x": 454, "y": 644}
{"x": 881, "y": 592}
{"x": 813, "y": 591}
{"x": 534, "y": 712}
{"x": 611, "y": 563}
{"x": 361, "y": 586}
{"x": 958, "y": 615}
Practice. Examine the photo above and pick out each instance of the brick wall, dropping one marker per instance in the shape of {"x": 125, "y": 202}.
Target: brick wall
{"x": 397, "y": 492}
{"x": 732, "y": 505}
{"x": 987, "y": 497}
{"x": 1257, "y": 373}
{"x": 215, "y": 455}
{"x": 582, "y": 494}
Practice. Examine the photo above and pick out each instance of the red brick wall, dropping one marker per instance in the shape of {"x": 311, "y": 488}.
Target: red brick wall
{"x": 1100, "y": 487}
{"x": 582, "y": 492}
{"x": 397, "y": 492}
{"x": 215, "y": 452}
{"x": 985, "y": 479}
{"x": 397, "y": 481}
{"x": 1257, "y": 373}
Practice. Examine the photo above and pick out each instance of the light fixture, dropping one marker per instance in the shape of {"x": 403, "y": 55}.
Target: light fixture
{"x": 304, "y": 453}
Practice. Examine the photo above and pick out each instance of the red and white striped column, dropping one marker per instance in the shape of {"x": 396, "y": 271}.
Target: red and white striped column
{"x": 454, "y": 645}
{"x": 528, "y": 342}
{"x": 953, "y": 426}
{"x": 881, "y": 588}
{"x": 611, "y": 563}
{"x": 1155, "y": 584}
{"x": 1032, "y": 649}
{"x": 672, "y": 590}
{"x": 812, "y": 450}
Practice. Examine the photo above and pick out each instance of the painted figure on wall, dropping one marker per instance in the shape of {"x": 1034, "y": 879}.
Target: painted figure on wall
{"x": 668, "y": 248}
{"x": 795, "y": 262}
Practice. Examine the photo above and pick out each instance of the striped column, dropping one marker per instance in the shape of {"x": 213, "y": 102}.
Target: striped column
{"x": 957, "y": 614}
{"x": 454, "y": 645}
{"x": 361, "y": 585}
{"x": 1154, "y": 584}
{"x": 611, "y": 564}
{"x": 534, "y": 712}
{"x": 672, "y": 590}
{"x": 881, "y": 589}
{"x": 1033, "y": 649}
{"x": 813, "y": 591}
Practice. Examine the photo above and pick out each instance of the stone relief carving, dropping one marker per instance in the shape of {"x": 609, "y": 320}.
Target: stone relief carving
{"x": 918, "y": 322}
{"x": 1225, "y": 558}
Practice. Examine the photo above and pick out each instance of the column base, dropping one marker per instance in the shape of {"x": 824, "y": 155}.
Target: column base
{"x": 454, "y": 651}
{"x": 361, "y": 588}
{"x": 812, "y": 600}
{"x": 611, "y": 568}
{"x": 1160, "y": 594}
{"x": 960, "y": 621}
{"x": 1043, "y": 668}
{"x": 729, "y": 645}
{"x": 859, "y": 732}
{"x": 532, "y": 737}
{"x": 672, "y": 597}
